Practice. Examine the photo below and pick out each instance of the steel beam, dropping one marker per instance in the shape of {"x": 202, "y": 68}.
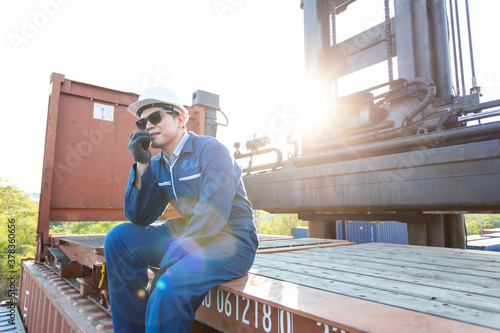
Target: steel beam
{"x": 316, "y": 37}
{"x": 361, "y": 51}
{"x": 461, "y": 178}
{"x": 440, "y": 50}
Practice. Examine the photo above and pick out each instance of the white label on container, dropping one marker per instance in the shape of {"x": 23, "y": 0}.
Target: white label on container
{"x": 103, "y": 111}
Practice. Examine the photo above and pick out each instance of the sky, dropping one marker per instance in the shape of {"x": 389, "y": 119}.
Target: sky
{"x": 249, "y": 52}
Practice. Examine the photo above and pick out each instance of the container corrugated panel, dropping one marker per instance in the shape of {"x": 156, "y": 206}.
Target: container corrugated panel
{"x": 391, "y": 232}
{"x": 361, "y": 232}
{"x": 48, "y": 303}
{"x": 300, "y": 232}
{"x": 492, "y": 244}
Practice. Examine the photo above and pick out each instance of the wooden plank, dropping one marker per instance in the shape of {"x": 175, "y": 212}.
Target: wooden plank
{"x": 97, "y": 241}
{"x": 417, "y": 271}
{"x": 439, "y": 249}
{"x": 411, "y": 261}
{"x": 480, "y": 268}
{"x": 83, "y": 249}
{"x": 435, "y": 252}
{"x": 295, "y": 242}
{"x": 304, "y": 247}
{"x": 444, "y": 293}
{"x": 263, "y": 237}
{"x": 481, "y": 286}
{"x": 299, "y": 274}
{"x": 433, "y": 307}
{"x": 91, "y": 241}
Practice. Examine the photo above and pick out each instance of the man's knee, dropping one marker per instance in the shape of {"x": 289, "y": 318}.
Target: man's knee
{"x": 117, "y": 234}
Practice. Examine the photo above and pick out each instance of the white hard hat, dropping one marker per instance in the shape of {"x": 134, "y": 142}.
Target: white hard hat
{"x": 156, "y": 96}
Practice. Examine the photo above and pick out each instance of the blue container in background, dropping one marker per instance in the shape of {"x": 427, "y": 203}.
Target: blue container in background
{"x": 300, "y": 232}
{"x": 392, "y": 232}
{"x": 361, "y": 232}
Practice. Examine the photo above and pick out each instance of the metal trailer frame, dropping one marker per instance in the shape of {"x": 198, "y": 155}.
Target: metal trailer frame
{"x": 299, "y": 285}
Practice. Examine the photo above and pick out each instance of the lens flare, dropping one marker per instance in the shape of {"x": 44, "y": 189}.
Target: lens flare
{"x": 141, "y": 293}
{"x": 161, "y": 285}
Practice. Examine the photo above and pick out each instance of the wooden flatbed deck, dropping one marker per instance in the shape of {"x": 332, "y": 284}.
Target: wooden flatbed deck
{"x": 369, "y": 287}
{"x": 317, "y": 285}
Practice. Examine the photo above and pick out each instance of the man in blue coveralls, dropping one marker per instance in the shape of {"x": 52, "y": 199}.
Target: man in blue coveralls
{"x": 214, "y": 241}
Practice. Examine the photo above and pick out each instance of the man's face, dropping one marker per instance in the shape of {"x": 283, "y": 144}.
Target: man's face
{"x": 167, "y": 130}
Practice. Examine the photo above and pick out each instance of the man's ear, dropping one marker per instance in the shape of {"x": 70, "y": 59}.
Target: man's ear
{"x": 182, "y": 119}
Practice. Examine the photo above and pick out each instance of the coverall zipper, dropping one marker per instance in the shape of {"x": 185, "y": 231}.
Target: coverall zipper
{"x": 172, "y": 177}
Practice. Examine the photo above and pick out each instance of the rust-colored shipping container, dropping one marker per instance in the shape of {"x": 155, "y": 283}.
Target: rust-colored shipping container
{"x": 48, "y": 303}
{"x": 86, "y": 163}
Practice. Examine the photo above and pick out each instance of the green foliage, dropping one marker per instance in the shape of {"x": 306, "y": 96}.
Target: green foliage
{"x": 18, "y": 218}
{"x": 81, "y": 228}
{"x": 277, "y": 224}
{"x": 489, "y": 221}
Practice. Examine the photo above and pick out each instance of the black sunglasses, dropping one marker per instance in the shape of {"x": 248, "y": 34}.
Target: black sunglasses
{"x": 154, "y": 118}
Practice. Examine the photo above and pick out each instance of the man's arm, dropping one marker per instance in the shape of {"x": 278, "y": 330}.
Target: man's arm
{"x": 144, "y": 201}
{"x": 217, "y": 190}
{"x": 139, "y": 149}
{"x": 143, "y": 206}
{"x": 139, "y": 171}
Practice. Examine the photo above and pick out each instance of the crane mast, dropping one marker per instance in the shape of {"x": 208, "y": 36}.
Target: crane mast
{"x": 402, "y": 150}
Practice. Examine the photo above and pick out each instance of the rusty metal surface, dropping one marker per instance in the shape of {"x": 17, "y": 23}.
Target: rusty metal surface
{"x": 86, "y": 161}
{"x": 83, "y": 249}
{"x": 49, "y": 303}
{"x": 361, "y": 288}
{"x": 457, "y": 178}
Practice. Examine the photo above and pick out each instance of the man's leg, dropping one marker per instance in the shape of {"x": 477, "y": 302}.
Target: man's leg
{"x": 129, "y": 249}
{"x": 181, "y": 289}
